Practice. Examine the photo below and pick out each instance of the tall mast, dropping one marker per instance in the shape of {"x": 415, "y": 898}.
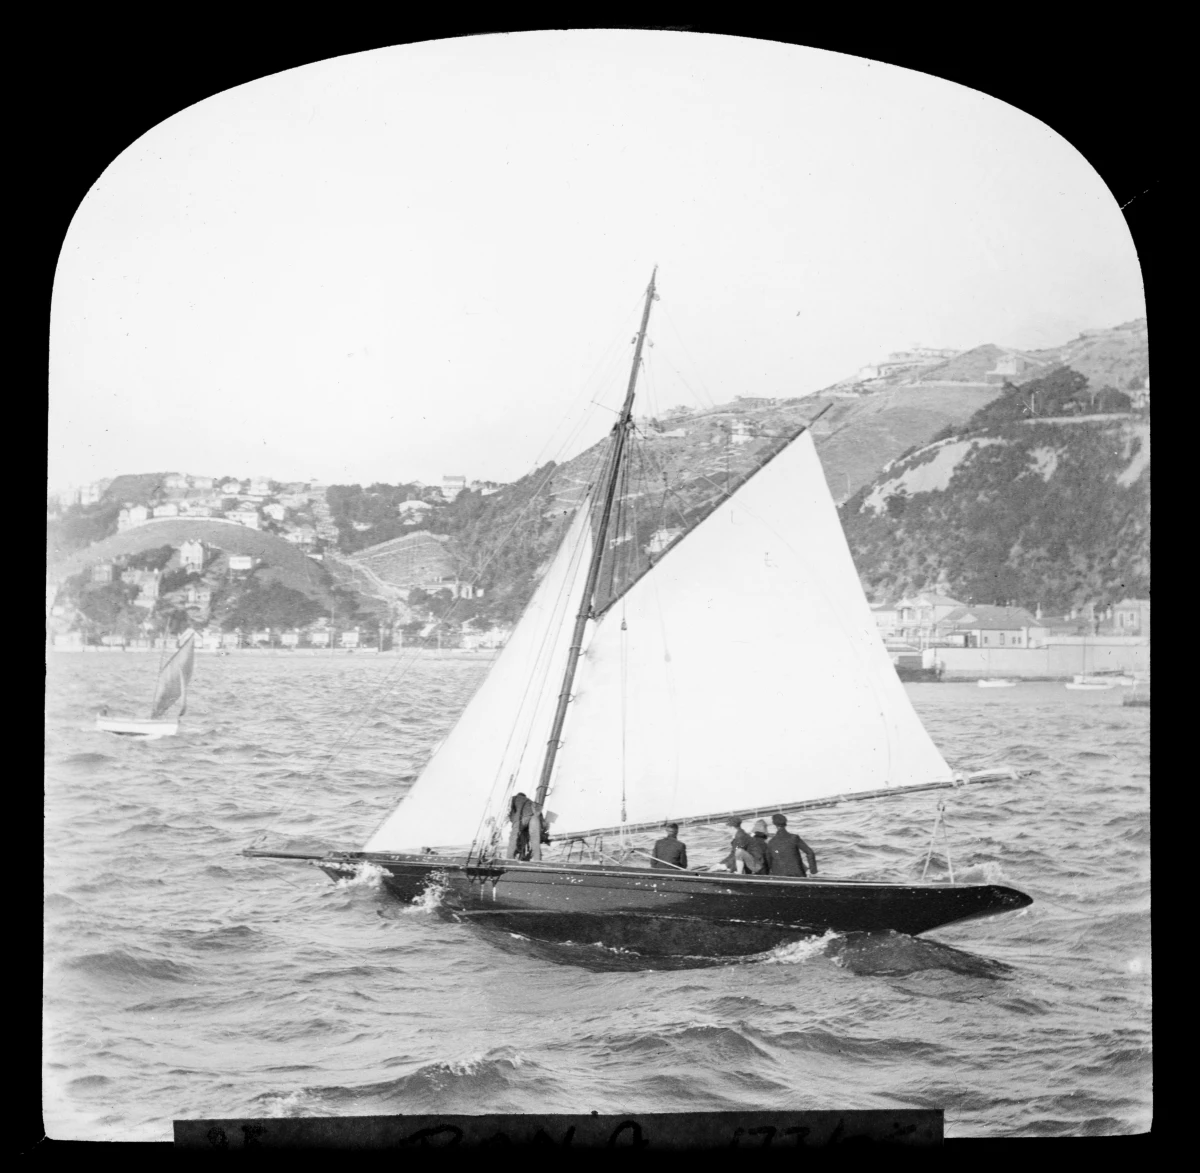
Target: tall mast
{"x": 612, "y": 472}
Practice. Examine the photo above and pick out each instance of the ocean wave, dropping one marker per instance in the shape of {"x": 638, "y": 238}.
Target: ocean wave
{"x": 116, "y": 963}
{"x": 801, "y": 952}
{"x": 444, "y": 1086}
{"x": 225, "y": 938}
{"x": 896, "y": 954}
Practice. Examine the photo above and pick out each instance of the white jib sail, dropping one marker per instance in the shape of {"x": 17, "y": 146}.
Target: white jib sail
{"x": 174, "y": 678}
{"x": 743, "y": 671}
{"x": 499, "y": 743}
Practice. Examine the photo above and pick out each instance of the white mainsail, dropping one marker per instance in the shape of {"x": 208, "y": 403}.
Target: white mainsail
{"x": 499, "y": 743}
{"x": 742, "y": 671}
{"x": 174, "y": 678}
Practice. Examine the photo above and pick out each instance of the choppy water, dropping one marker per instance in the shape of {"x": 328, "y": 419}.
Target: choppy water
{"x": 183, "y": 980}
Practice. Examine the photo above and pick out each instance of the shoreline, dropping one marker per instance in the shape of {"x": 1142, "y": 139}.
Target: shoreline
{"x": 423, "y": 653}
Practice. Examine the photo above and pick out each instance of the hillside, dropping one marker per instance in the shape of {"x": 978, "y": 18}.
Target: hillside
{"x": 289, "y": 566}
{"x": 891, "y": 442}
{"x": 1052, "y": 511}
{"x": 416, "y": 559}
{"x": 1119, "y": 357}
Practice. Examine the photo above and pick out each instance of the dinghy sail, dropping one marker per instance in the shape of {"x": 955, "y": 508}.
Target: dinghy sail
{"x": 173, "y": 679}
{"x": 664, "y": 699}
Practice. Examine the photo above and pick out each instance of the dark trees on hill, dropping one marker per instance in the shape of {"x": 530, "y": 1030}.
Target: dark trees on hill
{"x": 1061, "y": 392}
{"x": 82, "y": 525}
{"x": 272, "y": 605}
{"x": 111, "y": 609}
{"x": 154, "y": 559}
{"x": 1008, "y": 528}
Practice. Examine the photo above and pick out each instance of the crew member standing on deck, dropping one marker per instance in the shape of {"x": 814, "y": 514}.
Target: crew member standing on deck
{"x": 525, "y": 837}
{"x": 784, "y": 850}
{"x": 669, "y": 850}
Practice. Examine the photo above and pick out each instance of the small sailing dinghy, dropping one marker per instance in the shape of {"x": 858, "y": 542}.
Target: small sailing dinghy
{"x": 173, "y": 679}
{"x": 1106, "y": 678}
{"x": 618, "y": 710}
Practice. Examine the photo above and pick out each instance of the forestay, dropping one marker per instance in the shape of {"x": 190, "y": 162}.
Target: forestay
{"x": 498, "y": 745}
{"x": 742, "y": 671}
{"x": 174, "y": 678}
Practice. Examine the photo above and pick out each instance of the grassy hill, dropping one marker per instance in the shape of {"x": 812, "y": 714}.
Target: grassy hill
{"x": 286, "y": 564}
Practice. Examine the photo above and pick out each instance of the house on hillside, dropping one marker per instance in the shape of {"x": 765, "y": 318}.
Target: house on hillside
{"x": 275, "y": 511}
{"x": 1132, "y": 617}
{"x": 199, "y": 596}
{"x": 318, "y": 638}
{"x": 240, "y": 563}
{"x": 452, "y": 486}
{"x": 202, "y": 484}
{"x": 741, "y": 432}
{"x": 349, "y": 639}
{"x": 984, "y": 626}
{"x": 148, "y": 595}
{"x": 413, "y": 510}
{"x": 175, "y": 481}
{"x": 90, "y": 494}
{"x": 231, "y": 488}
{"x": 102, "y": 572}
{"x": 301, "y": 535}
{"x": 887, "y": 617}
{"x": 1011, "y": 367}
{"x": 246, "y": 517}
{"x": 191, "y": 554}
{"x": 1139, "y": 397}
{"x": 920, "y": 617}
{"x": 906, "y": 360}
{"x": 258, "y": 488}
{"x": 132, "y": 515}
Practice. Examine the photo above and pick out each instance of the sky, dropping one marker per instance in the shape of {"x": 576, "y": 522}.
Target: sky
{"x": 429, "y": 260}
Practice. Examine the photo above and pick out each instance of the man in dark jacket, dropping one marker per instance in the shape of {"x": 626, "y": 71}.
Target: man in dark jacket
{"x": 784, "y": 850}
{"x": 668, "y": 850}
{"x": 525, "y": 837}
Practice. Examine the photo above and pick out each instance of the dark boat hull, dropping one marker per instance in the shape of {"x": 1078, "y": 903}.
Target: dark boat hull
{"x": 919, "y": 675}
{"x": 665, "y": 914}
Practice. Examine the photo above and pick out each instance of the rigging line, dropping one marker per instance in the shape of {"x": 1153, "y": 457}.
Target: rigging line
{"x": 669, "y": 677}
{"x": 667, "y": 314}
{"x": 609, "y": 360}
{"x": 560, "y": 606}
{"x": 541, "y": 672}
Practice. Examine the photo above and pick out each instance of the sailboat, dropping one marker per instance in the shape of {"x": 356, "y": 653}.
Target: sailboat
{"x": 620, "y": 710}
{"x": 173, "y": 679}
